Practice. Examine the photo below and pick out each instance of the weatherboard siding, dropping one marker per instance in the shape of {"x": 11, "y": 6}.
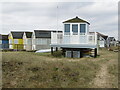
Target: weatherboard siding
{"x": 42, "y": 43}
{"x": 20, "y": 41}
{"x": 18, "y": 46}
{"x": 27, "y": 43}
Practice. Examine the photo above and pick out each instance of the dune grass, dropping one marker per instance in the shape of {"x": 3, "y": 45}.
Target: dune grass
{"x": 41, "y": 70}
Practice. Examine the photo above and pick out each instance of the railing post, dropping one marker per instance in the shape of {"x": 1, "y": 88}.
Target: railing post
{"x": 95, "y": 38}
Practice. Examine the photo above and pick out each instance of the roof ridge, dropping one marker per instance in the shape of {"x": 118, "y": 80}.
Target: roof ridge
{"x": 76, "y": 19}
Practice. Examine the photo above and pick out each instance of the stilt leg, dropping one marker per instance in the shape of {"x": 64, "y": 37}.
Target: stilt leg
{"x": 52, "y": 50}
{"x": 95, "y": 55}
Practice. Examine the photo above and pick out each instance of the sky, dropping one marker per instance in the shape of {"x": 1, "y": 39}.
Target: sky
{"x": 29, "y": 16}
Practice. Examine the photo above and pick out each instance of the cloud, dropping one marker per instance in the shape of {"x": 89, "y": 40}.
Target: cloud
{"x": 103, "y": 16}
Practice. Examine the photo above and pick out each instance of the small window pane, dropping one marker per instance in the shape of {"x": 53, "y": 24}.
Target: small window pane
{"x": 67, "y": 27}
{"x": 82, "y": 28}
{"x": 75, "y": 28}
{"x": 15, "y": 41}
{"x": 10, "y": 41}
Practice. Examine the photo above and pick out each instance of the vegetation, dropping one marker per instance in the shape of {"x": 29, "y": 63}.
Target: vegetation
{"x": 113, "y": 71}
{"x": 42, "y": 70}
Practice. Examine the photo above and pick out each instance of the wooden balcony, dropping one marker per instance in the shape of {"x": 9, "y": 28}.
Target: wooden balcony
{"x": 75, "y": 41}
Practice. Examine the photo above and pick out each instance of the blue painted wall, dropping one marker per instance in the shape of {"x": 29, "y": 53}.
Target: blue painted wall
{"x": 5, "y": 44}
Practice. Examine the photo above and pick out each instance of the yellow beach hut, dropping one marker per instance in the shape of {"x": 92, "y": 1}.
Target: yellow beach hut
{"x": 16, "y": 40}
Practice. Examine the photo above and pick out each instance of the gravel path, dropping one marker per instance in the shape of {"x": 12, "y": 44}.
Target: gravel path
{"x": 102, "y": 79}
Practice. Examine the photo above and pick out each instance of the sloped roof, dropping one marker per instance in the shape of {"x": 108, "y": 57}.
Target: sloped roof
{"x": 76, "y": 20}
{"x": 102, "y": 35}
{"x": 28, "y": 34}
{"x": 111, "y": 38}
{"x": 17, "y": 35}
{"x": 42, "y": 34}
{"x": 3, "y": 37}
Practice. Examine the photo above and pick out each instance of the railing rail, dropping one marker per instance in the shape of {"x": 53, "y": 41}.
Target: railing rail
{"x": 79, "y": 39}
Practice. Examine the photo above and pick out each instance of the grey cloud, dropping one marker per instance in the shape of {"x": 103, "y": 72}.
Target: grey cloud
{"x": 102, "y": 16}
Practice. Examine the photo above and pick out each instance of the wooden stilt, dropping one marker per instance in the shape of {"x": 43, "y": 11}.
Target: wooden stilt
{"x": 56, "y": 48}
{"x": 95, "y": 54}
{"x": 52, "y": 50}
{"x": 80, "y": 53}
{"x": 63, "y": 52}
{"x": 71, "y": 53}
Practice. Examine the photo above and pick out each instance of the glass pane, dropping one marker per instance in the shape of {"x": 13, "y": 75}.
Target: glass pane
{"x": 15, "y": 41}
{"x": 75, "y": 28}
{"x": 82, "y": 28}
{"x": 67, "y": 27}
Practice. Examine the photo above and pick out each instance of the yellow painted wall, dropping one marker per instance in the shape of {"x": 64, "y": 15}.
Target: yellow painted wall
{"x": 20, "y": 41}
{"x": 18, "y": 46}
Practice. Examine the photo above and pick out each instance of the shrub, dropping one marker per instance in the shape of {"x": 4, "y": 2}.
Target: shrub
{"x": 57, "y": 54}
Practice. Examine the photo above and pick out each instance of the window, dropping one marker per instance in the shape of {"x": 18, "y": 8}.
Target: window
{"x": 75, "y": 29}
{"x": 82, "y": 28}
{"x": 10, "y": 41}
{"x": 67, "y": 29}
{"x": 15, "y": 41}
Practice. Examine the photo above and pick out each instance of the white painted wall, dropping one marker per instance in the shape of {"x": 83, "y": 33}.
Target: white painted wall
{"x": 27, "y": 42}
{"x": 33, "y": 41}
{"x": 11, "y": 46}
{"x": 56, "y": 37}
{"x": 102, "y": 43}
{"x": 0, "y": 41}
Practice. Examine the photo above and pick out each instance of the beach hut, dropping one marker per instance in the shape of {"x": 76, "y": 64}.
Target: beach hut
{"x": 77, "y": 41}
{"x": 111, "y": 41}
{"x": 27, "y": 41}
{"x": 4, "y": 42}
{"x": 16, "y": 40}
{"x": 41, "y": 39}
{"x": 101, "y": 39}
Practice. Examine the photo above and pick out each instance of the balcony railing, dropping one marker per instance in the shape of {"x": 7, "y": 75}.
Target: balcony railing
{"x": 77, "y": 39}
